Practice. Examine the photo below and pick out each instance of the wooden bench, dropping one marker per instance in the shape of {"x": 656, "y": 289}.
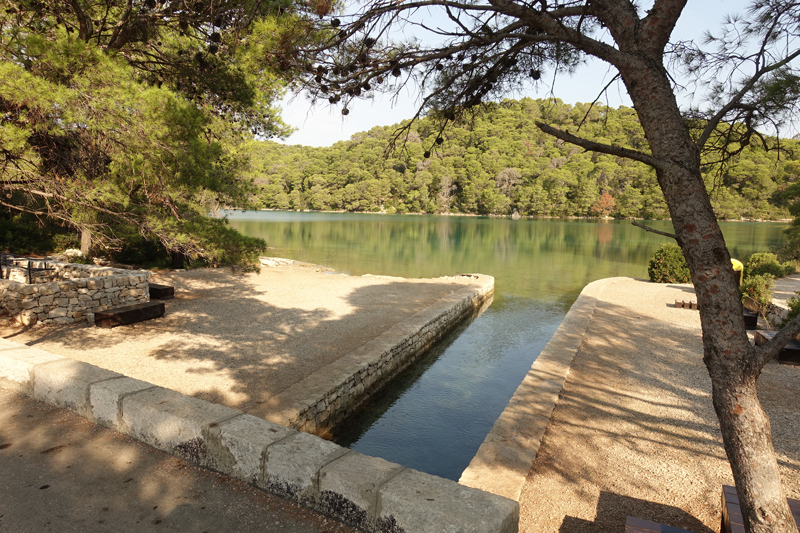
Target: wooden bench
{"x": 750, "y": 319}
{"x": 732, "y": 521}
{"x": 790, "y": 355}
{"x": 161, "y": 292}
{"x": 637, "y": 525}
{"x": 128, "y": 314}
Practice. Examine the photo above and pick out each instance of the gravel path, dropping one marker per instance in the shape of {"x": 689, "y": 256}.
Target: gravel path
{"x": 634, "y": 432}
{"x": 238, "y": 340}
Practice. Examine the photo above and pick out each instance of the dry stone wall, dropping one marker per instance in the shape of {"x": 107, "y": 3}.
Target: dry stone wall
{"x": 69, "y": 292}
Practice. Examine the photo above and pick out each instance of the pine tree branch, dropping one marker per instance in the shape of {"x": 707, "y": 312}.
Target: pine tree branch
{"x": 651, "y": 230}
{"x": 769, "y": 351}
{"x": 604, "y": 148}
{"x": 735, "y": 101}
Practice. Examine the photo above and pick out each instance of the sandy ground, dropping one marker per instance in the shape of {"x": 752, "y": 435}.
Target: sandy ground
{"x": 634, "y": 432}
{"x": 240, "y": 339}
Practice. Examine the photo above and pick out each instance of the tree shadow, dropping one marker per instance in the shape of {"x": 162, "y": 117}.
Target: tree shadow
{"x": 239, "y": 340}
{"x": 635, "y": 420}
{"x": 611, "y": 516}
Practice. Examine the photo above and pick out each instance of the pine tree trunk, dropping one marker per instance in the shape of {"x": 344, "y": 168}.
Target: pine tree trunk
{"x": 748, "y": 444}
{"x": 86, "y": 241}
{"x": 728, "y": 354}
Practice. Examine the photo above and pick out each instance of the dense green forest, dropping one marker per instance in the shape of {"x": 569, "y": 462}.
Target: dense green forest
{"x": 500, "y": 163}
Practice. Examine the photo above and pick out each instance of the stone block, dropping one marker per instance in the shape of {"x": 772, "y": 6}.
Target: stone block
{"x": 49, "y": 288}
{"x": 65, "y": 383}
{"x": 172, "y": 422}
{"x": 414, "y": 501}
{"x": 236, "y": 446}
{"x": 46, "y": 300}
{"x": 349, "y": 488}
{"x": 57, "y": 312}
{"x": 25, "y": 290}
{"x": 17, "y": 362}
{"x": 291, "y": 466}
{"x": 106, "y": 397}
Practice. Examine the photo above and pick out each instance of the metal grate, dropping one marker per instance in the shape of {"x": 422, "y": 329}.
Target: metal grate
{"x": 11, "y": 261}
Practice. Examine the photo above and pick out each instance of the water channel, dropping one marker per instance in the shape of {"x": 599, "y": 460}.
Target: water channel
{"x": 435, "y": 416}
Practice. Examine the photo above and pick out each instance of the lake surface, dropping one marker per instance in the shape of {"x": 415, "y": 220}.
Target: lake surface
{"x": 436, "y": 415}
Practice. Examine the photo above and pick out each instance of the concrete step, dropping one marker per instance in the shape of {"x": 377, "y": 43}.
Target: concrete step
{"x": 161, "y": 292}
{"x": 128, "y": 314}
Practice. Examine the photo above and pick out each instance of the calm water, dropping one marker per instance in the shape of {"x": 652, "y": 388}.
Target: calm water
{"x": 437, "y": 414}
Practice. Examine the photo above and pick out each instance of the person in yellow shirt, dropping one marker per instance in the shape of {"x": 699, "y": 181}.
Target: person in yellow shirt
{"x": 738, "y": 267}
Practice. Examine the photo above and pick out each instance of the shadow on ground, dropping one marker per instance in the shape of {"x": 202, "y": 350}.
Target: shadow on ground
{"x": 635, "y": 432}
{"x": 62, "y": 474}
{"x": 223, "y": 341}
{"x": 610, "y": 516}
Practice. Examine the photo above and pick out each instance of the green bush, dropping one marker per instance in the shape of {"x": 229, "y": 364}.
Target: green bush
{"x": 24, "y": 234}
{"x": 759, "y": 289}
{"x": 668, "y": 265}
{"x": 794, "y": 308}
{"x": 767, "y": 263}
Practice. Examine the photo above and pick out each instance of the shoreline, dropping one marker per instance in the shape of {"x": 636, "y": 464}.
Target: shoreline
{"x": 518, "y": 217}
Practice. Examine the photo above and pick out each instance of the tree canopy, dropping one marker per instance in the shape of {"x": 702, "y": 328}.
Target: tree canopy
{"x": 121, "y": 118}
{"x": 499, "y": 163}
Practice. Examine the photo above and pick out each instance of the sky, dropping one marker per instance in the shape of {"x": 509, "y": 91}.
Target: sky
{"x": 324, "y": 125}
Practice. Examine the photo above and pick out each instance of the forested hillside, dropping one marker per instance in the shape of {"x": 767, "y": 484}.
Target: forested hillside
{"x": 500, "y": 163}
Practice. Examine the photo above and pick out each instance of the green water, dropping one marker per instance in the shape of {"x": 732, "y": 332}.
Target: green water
{"x": 435, "y": 416}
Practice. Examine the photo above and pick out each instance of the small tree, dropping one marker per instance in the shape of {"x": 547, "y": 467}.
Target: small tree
{"x": 604, "y": 206}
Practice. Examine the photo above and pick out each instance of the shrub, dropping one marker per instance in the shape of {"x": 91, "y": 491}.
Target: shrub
{"x": 759, "y": 289}
{"x": 767, "y": 263}
{"x": 794, "y": 308}
{"x": 668, "y": 265}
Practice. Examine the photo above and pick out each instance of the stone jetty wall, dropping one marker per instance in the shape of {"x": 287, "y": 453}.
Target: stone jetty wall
{"x": 69, "y": 292}
{"x": 322, "y": 400}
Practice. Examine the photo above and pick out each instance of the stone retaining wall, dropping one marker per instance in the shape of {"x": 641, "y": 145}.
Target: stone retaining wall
{"x": 366, "y": 492}
{"x": 70, "y": 292}
{"x": 323, "y": 399}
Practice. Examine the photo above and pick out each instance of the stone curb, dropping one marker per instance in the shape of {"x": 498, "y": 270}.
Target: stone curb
{"x": 366, "y": 492}
{"x": 508, "y": 451}
{"x": 324, "y": 398}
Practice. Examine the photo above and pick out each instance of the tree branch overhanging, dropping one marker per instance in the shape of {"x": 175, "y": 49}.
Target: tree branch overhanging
{"x": 604, "y": 148}
{"x": 657, "y": 232}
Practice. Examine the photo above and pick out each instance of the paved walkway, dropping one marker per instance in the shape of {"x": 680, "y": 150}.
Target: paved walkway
{"x": 62, "y": 473}
{"x": 785, "y": 288}
{"x": 634, "y": 431}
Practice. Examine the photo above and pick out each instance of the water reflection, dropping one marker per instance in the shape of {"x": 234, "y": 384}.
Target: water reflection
{"x": 435, "y": 416}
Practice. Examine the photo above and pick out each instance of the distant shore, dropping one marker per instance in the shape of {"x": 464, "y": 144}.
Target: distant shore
{"x": 527, "y": 217}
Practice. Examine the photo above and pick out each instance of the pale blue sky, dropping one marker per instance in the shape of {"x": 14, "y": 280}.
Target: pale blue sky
{"x": 324, "y": 125}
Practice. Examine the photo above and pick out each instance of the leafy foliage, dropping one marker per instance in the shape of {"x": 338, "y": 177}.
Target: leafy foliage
{"x": 759, "y": 289}
{"x": 120, "y": 118}
{"x": 499, "y": 162}
{"x": 767, "y": 263}
{"x": 794, "y": 307}
{"x": 26, "y": 235}
{"x": 668, "y": 265}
